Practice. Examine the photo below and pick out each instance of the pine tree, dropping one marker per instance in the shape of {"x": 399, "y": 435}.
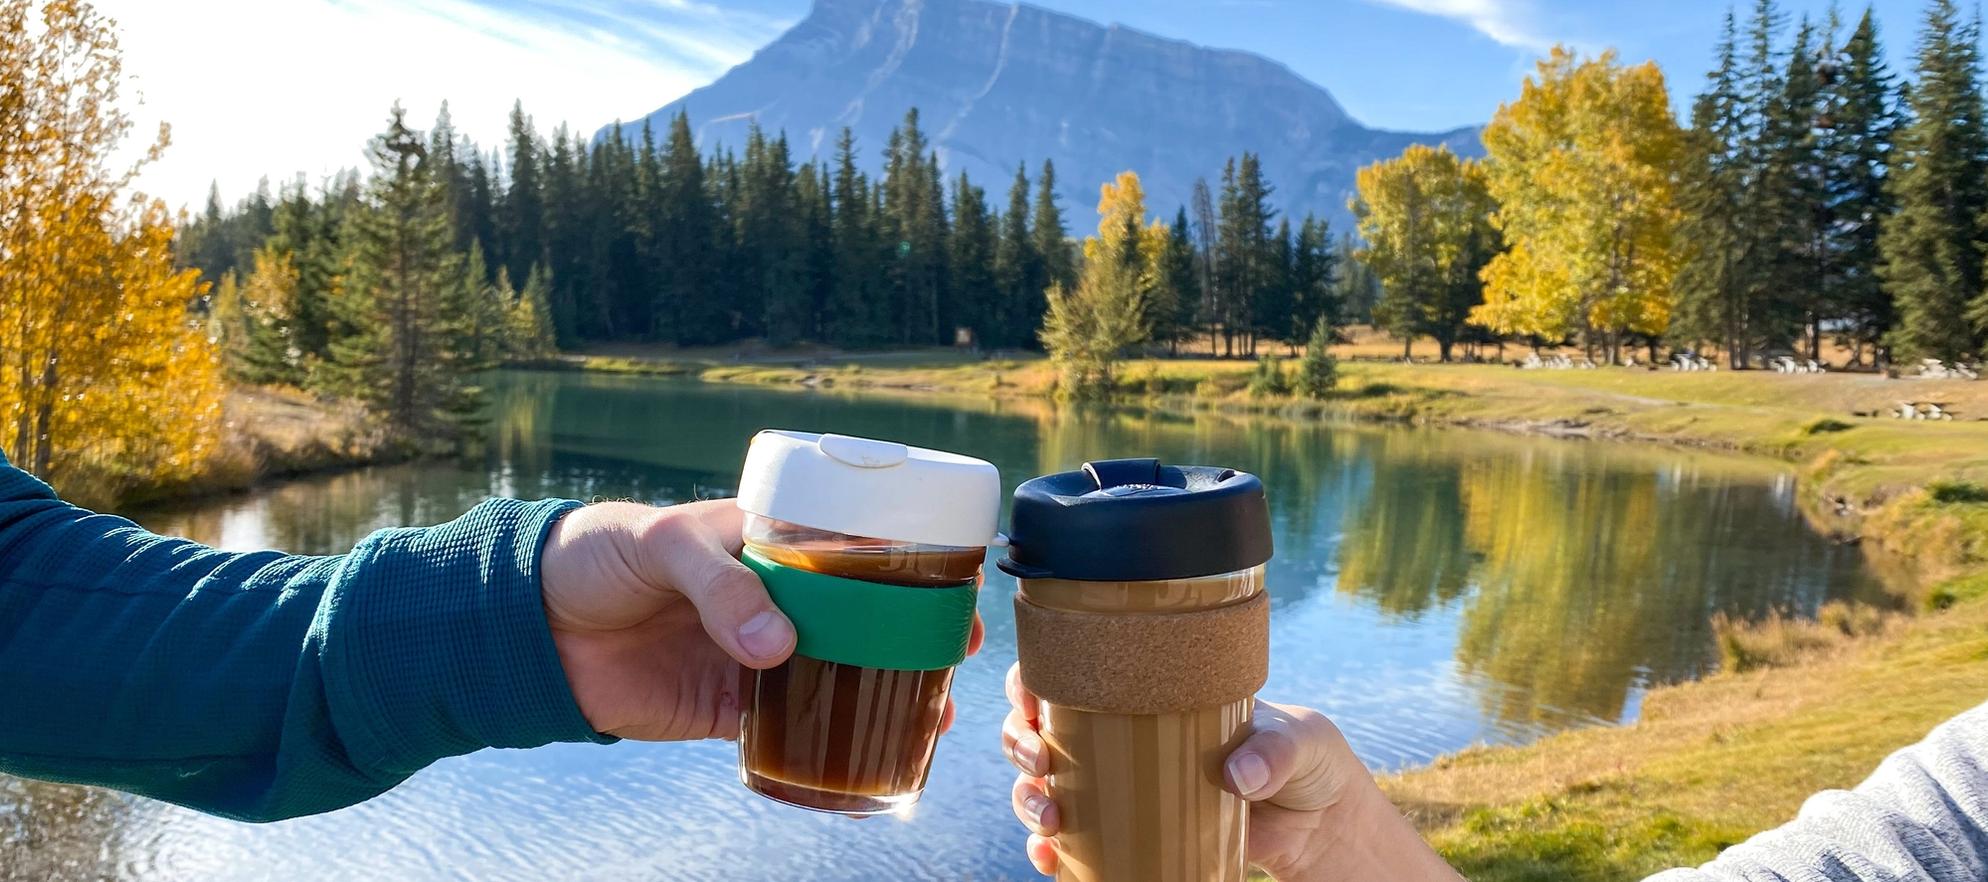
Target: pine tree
{"x": 260, "y": 348}
{"x": 1858, "y": 133}
{"x": 1314, "y": 290}
{"x": 1805, "y": 268}
{"x": 530, "y": 334}
{"x": 523, "y": 211}
{"x": 403, "y": 357}
{"x": 1019, "y": 273}
{"x": 1176, "y": 292}
{"x": 1243, "y": 249}
{"x": 1319, "y": 371}
{"x": 975, "y": 295}
{"x": 687, "y": 244}
{"x": 856, "y": 316}
{"x": 1052, "y": 237}
{"x": 1932, "y": 247}
{"x": 482, "y": 308}
{"x": 1715, "y": 278}
{"x": 1276, "y": 301}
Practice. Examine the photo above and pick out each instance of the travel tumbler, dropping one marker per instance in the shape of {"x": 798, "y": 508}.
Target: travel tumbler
{"x": 873, "y": 549}
{"x": 1143, "y": 627}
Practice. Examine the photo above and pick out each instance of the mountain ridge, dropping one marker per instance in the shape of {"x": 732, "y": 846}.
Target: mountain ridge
{"x": 999, "y": 84}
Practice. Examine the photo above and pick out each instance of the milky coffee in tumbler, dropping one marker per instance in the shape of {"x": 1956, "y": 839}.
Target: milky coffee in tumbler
{"x": 1143, "y": 626}
{"x": 874, "y": 550}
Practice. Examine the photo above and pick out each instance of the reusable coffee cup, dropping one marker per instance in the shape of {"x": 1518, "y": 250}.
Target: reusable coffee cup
{"x": 1143, "y": 627}
{"x": 873, "y": 549}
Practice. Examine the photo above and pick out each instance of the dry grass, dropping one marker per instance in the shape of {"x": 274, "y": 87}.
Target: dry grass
{"x": 268, "y": 433}
{"x": 1708, "y": 764}
{"x": 1782, "y": 639}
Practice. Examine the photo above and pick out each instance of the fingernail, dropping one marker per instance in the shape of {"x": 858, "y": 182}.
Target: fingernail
{"x": 1250, "y": 772}
{"x": 766, "y": 635}
{"x": 1028, "y": 750}
{"x": 1036, "y": 807}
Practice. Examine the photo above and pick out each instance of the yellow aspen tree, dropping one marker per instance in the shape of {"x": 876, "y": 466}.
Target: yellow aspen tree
{"x": 105, "y": 378}
{"x": 1087, "y": 328}
{"x": 1584, "y": 167}
{"x": 1426, "y": 219}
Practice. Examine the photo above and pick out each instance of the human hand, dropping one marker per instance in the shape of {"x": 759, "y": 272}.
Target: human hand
{"x": 657, "y": 623}
{"x": 1316, "y": 815}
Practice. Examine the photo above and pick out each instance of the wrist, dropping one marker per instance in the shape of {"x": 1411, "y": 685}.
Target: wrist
{"x": 1363, "y": 836}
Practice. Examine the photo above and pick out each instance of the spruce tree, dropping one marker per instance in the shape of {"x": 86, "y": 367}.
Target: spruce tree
{"x": 1176, "y": 293}
{"x": 687, "y": 245}
{"x": 1861, "y": 124}
{"x": 403, "y": 356}
{"x": 1715, "y": 280}
{"x": 855, "y": 309}
{"x": 523, "y": 212}
{"x": 1019, "y": 273}
{"x": 1932, "y": 246}
{"x": 974, "y": 294}
{"x": 1052, "y": 237}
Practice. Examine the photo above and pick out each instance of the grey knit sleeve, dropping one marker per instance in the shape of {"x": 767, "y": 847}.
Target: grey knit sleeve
{"x": 1922, "y": 817}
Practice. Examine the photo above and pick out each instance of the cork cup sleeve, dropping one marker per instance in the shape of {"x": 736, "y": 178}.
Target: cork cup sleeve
{"x": 1144, "y": 663}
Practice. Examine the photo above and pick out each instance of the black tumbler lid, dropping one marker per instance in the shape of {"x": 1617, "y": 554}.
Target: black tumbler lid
{"x": 1134, "y": 520}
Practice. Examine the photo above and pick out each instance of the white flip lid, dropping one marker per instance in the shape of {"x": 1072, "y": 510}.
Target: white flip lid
{"x": 879, "y": 489}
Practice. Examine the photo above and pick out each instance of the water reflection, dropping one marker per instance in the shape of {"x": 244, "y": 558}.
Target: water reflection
{"x": 1432, "y": 590}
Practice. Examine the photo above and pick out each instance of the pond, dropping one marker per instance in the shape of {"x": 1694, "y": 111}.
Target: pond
{"x": 1432, "y": 589}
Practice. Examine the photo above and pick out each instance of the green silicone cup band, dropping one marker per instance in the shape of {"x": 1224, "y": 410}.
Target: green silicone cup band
{"x": 870, "y": 624}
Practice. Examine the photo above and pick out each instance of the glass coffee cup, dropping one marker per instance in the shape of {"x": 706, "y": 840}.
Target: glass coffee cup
{"x": 874, "y": 550}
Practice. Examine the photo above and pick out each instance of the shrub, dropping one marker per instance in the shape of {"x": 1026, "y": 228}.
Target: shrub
{"x": 1268, "y": 379}
{"x": 1826, "y": 425}
{"x": 1949, "y": 491}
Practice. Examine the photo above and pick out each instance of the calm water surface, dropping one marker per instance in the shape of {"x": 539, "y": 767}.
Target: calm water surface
{"x": 1432, "y": 590}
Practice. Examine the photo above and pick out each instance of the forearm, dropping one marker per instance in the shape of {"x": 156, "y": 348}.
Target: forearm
{"x": 262, "y": 686}
{"x": 1922, "y": 816}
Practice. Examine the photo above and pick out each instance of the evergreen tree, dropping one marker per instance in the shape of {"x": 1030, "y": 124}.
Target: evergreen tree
{"x": 856, "y": 316}
{"x": 1019, "y": 272}
{"x": 1176, "y": 293}
{"x": 687, "y": 244}
{"x": 1319, "y": 371}
{"x": 523, "y": 211}
{"x": 405, "y": 356}
{"x": 1244, "y": 251}
{"x": 1932, "y": 246}
{"x": 1858, "y": 133}
{"x": 1275, "y": 303}
{"x": 1314, "y": 292}
{"x": 974, "y": 295}
{"x": 482, "y": 309}
{"x": 1052, "y": 237}
{"x": 1714, "y": 284}
{"x": 530, "y": 334}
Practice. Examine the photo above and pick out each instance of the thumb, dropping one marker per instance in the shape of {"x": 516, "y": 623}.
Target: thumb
{"x": 1295, "y": 759}
{"x": 731, "y": 603}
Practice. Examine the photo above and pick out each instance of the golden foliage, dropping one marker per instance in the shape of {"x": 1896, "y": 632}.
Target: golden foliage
{"x": 1584, "y": 167}
{"x": 1087, "y": 327}
{"x": 104, "y": 374}
{"x": 1425, "y": 219}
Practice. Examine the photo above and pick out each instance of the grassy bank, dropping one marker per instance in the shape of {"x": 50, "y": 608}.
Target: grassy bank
{"x": 267, "y": 434}
{"x": 1709, "y": 762}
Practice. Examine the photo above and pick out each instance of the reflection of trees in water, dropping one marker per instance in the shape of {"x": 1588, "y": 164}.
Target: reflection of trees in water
{"x": 1595, "y": 579}
{"x": 1403, "y": 546}
{"x": 59, "y": 831}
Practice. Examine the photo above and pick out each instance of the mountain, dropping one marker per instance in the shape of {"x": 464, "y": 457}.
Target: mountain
{"x": 997, "y": 84}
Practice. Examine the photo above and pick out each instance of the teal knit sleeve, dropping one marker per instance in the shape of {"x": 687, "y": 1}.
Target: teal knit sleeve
{"x": 262, "y": 686}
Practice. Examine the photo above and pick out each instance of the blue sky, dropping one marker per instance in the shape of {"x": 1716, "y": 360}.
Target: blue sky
{"x": 289, "y": 91}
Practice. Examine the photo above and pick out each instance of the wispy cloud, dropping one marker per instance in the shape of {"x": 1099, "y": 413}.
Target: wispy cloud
{"x": 256, "y": 88}
{"x": 1509, "y": 22}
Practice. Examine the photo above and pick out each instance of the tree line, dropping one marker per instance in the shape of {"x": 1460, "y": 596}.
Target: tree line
{"x": 648, "y": 239}
{"x": 1814, "y": 197}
